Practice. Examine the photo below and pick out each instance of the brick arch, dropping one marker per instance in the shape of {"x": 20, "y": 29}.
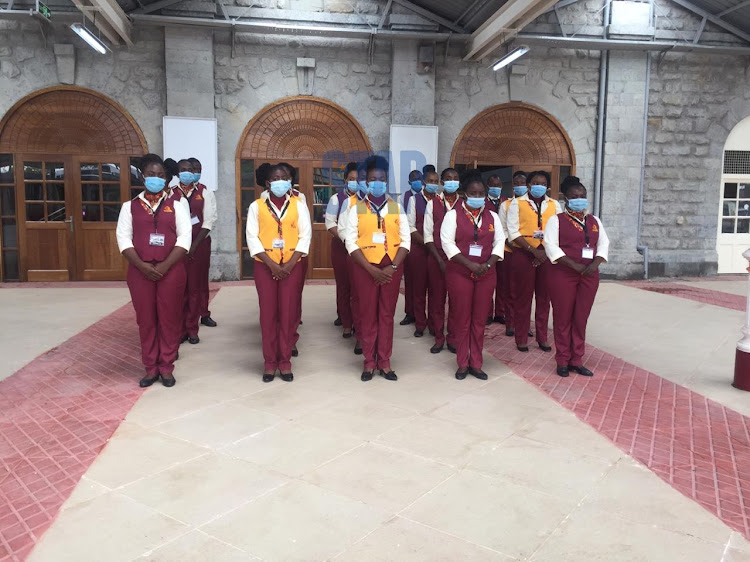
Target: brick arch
{"x": 301, "y": 128}
{"x": 70, "y": 120}
{"x": 513, "y": 133}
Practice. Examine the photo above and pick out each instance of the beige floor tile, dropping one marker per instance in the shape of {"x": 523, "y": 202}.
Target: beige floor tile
{"x": 380, "y": 476}
{"x": 85, "y": 490}
{"x": 289, "y": 401}
{"x": 485, "y": 410}
{"x": 199, "y": 490}
{"x": 738, "y": 542}
{"x": 546, "y": 468}
{"x": 513, "y": 388}
{"x": 734, "y": 555}
{"x": 292, "y": 448}
{"x": 196, "y": 547}
{"x": 357, "y": 416}
{"x": 134, "y": 452}
{"x": 220, "y": 425}
{"x": 443, "y": 441}
{"x": 406, "y": 541}
{"x": 491, "y": 512}
{"x": 297, "y": 522}
{"x": 656, "y": 503}
{"x": 594, "y": 535}
{"x": 110, "y": 527}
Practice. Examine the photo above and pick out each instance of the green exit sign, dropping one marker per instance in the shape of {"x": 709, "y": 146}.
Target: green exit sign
{"x": 44, "y": 10}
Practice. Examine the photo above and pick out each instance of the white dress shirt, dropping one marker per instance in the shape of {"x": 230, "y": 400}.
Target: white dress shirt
{"x": 411, "y": 211}
{"x": 124, "y": 230}
{"x": 552, "y": 240}
{"x": 503, "y": 214}
{"x": 429, "y": 219}
{"x": 332, "y": 210}
{"x": 352, "y": 228}
{"x": 513, "y": 221}
{"x": 448, "y": 233}
{"x": 304, "y": 226}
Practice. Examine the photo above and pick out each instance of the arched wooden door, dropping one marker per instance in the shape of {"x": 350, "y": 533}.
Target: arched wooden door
{"x": 69, "y": 153}
{"x": 515, "y": 136}
{"x": 318, "y": 138}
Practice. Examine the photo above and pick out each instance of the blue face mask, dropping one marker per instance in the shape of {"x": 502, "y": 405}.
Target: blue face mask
{"x": 495, "y": 192}
{"x": 154, "y": 184}
{"x": 196, "y": 177}
{"x": 431, "y": 188}
{"x": 451, "y": 186}
{"x": 280, "y": 188}
{"x": 186, "y": 178}
{"x": 416, "y": 185}
{"x": 520, "y": 190}
{"x": 475, "y": 202}
{"x": 538, "y": 191}
{"x": 376, "y": 188}
{"x": 578, "y": 205}
{"x": 352, "y": 186}
{"x": 362, "y": 187}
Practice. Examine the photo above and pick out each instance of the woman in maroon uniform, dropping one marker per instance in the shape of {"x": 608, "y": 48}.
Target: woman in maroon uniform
{"x": 576, "y": 245}
{"x": 154, "y": 234}
{"x": 473, "y": 240}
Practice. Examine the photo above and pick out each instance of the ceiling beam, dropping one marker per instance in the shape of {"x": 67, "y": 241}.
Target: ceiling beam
{"x": 600, "y": 44}
{"x": 387, "y": 11}
{"x": 713, "y": 19}
{"x": 503, "y": 25}
{"x": 89, "y": 12}
{"x": 156, "y": 6}
{"x": 430, "y": 16}
{"x": 733, "y": 9}
{"x": 116, "y": 17}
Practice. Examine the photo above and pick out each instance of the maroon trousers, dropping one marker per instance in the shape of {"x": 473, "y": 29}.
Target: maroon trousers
{"x": 530, "y": 282}
{"x": 438, "y": 293}
{"x": 572, "y": 298}
{"x": 418, "y": 256}
{"x": 375, "y": 309}
{"x": 351, "y": 266}
{"x": 279, "y": 314}
{"x": 471, "y": 301}
{"x": 508, "y": 288}
{"x": 408, "y": 290}
{"x": 339, "y": 258}
{"x": 158, "y": 310}
{"x": 205, "y": 267}
{"x": 501, "y": 296}
{"x": 300, "y": 287}
{"x": 196, "y": 287}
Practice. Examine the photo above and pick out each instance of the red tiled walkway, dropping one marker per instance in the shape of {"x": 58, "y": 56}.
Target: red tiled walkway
{"x": 56, "y": 414}
{"x": 698, "y": 294}
{"x": 695, "y": 444}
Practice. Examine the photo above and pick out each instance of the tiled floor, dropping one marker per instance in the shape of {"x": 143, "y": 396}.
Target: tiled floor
{"x": 223, "y": 467}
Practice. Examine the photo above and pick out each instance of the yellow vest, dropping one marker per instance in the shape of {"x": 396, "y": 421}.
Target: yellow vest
{"x": 528, "y": 219}
{"x": 368, "y": 225}
{"x": 268, "y": 230}
{"x": 506, "y": 205}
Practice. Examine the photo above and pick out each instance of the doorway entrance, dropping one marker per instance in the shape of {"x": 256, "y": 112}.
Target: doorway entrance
{"x": 69, "y": 152}
{"x": 733, "y": 236}
{"x": 318, "y": 139}
{"x": 515, "y": 136}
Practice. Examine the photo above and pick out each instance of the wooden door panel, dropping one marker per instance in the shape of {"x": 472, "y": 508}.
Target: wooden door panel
{"x": 100, "y": 256}
{"x": 48, "y": 259}
{"x": 320, "y": 259}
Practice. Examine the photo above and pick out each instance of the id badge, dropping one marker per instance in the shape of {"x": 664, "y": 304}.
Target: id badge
{"x": 378, "y": 237}
{"x": 475, "y": 250}
{"x": 278, "y": 243}
{"x": 538, "y": 235}
{"x": 156, "y": 239}
{"x": 194, "y": 220}
{"x": 588, "y": 253}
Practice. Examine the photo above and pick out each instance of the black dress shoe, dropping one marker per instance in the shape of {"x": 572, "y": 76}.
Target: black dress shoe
{"x": 295, "y": 352}
{"x": 461, "y": 375}
{"x": 193, "y": 340}
{"x": 432, "y": 332}
{"x": 418, "y": 333}
{"x": 581, "y": 370}
{"x": 177, "y": 356}
{"x": 523, "y": 348}
{"x": 145, "y": 382}
{"x": 545, "y": 347}
{"x": 268, "y": 378}
{"x": 169, "y": 381}
{"x": 337, "y": 322}
{"x": 562, "y": 370}
{"x": 489, "y": 321}
{"x": 510, "y": 332}
{"x": 287, "y": 378}
{"x": 389, "y": 376}
{"x": 184, "y": 338}
{"x": 347, "y": 336}
{"x": 436, "y": 348}
{"x": 531, "y": 333}
{"x": 499, "y": 320}
{"x": 358, "y": 349}
{"x": 478, "y": 373}
{"x": 208, "y": 321}
{"x": 451, "y": 348}
{"x": 408, "y": 319}
{"x": 366, "y": 376}
{"x": 301, "y": 322}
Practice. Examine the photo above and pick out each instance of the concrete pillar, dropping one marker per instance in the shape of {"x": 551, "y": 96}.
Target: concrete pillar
{"x": 413, "y": 88}
{"x": 189, "y": 57}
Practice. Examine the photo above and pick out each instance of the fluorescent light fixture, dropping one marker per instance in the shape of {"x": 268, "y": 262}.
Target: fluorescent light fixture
{"x": 514, "y": 55}
{"x": 93, "y": 41}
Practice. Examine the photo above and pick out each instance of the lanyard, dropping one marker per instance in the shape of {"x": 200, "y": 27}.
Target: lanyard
{"x": 371, "y": 206}
{"x": 583, "y": 227}
{"x": 475, "y": 222}
{"x": 154, "y": 213}
{"x": 281, "y": 216}
{"x": 538, "y": 211}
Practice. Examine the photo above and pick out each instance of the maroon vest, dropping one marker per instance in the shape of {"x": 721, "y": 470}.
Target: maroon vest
{"x": 197, "y": 203}
{"x": 485, "y": 236}
{"x": 439, "y": 209}
{"x": 161, "y": 222}
{"x": 421, "y": 202}
{"x": 573, "y": 238}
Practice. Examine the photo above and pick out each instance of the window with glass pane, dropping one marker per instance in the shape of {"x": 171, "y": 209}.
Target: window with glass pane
{"x": 247, "y": 196}
{"x": 8, "y": 223}
{"x": 100, "y": 191}
{"x": 735, "y": 208}
{"x": 44, "y": 191}
{"x": 323, "y": 190}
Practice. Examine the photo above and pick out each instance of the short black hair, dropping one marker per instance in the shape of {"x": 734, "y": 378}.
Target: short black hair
{"x": 276, "y": 167}
{"x": 419, "y": 175}
{"x": 570, "y": 181}
{"x": 544, "y": 173}
{"x": 292, "y": 170}
{"x": 350, "y": 167}
{"x": 170, "y": 166}
{"x": 184, "y": 160}
{"x": 495, "y": 176}
{"x": 194, "y": 160}
{"x": 261, "y": 174}
{"x": 472, "y": 176}
{"x": 519, "y": 173}
{"x": 442, "y": 174}
{"x": 148, "y": 159}
{"x": 377, "y": 163}
{"x": 427, "y": 168}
